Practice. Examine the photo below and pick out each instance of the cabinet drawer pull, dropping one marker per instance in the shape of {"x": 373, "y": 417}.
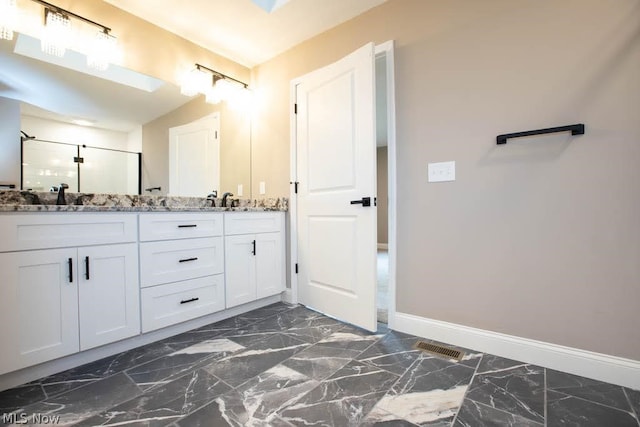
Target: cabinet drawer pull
{"x": 86, "y": 266}
{"x": 185, "y": 301}
{"x": 253, "y": 251}
{"x": 189, "y": 259}
{"x": 187, "y": 225}
{"x": 70, "y": 270}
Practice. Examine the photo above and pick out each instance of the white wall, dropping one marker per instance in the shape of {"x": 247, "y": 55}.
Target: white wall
{"x": 9, "y": 141}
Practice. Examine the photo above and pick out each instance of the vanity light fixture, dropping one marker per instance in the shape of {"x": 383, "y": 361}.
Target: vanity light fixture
{"x": 8, "y": 18}
{"x": 57, "y": 36}
{"x": 213, "y": 84}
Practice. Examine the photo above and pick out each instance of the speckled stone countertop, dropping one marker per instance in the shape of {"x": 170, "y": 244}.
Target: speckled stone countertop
{"x": 32, "y": 201}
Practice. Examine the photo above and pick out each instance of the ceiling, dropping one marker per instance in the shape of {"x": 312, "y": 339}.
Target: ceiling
{"x": 246, "y": 31}
{"x": 242, "y": 30}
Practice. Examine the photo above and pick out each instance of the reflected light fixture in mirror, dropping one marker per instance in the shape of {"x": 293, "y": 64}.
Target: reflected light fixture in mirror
{"x": 56, "y": 34}
{"x": 216, "y": 87}
{"x": 8, "y": 18}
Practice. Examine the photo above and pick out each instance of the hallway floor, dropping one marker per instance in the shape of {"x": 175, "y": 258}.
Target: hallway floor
{"x": 285, "y": 365}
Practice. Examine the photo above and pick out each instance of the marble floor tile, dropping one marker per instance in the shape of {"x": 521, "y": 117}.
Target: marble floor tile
{"x": 393, "y": 354}
{"x": 164, "y": 405}
{"x": 313, "y": 329}
{"x": 585, "y": 388}
{"x": 266, "y": 312}
{"x": 430, "y": 391}
{"x": 563, "y": 409}
{"x": 161, "y": 371}
{"x": 381, "y": 418}
{"x": 518, "y": 390}
{"x": 257, "y": 401}
{"x": 634, "y": 400}
{"x": 19, "y": 397}
{"x": 320, "y": 361}
{"x": 344, "y": 399}
{"x": 77, "y": 377}
{"x": 491, "y": 363}
{"x": 474, "y": 414}
{"x": 241, "y": 366}
{"x": 86, "y": 401}
{"x": 287, "y": 366}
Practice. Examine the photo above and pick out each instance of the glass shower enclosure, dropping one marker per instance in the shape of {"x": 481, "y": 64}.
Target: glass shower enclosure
{"x": 47, "y": 164}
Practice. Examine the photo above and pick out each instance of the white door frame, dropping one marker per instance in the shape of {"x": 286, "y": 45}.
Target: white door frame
{"x": 291, "y": 295}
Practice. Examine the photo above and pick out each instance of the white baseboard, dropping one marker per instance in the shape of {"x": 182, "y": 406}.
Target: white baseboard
{"x": 384, "y": 246}
{"x": 603, "y": 367}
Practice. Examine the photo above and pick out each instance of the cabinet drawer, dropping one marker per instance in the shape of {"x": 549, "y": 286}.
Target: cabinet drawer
{"x": 177, "y": 302}
{"x": 175, "y": 260}
{"x": 253, "y": 222}
{"x": 163, "y": 226}
{"x": 49, "y": 230}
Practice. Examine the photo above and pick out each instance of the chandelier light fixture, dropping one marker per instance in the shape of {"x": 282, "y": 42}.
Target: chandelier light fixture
{"x": 216, "y": 87}
{"x": 8, "y": 18}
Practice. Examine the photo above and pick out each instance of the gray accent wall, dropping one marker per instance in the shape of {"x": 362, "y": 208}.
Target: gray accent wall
{"x": 539, "y": 238}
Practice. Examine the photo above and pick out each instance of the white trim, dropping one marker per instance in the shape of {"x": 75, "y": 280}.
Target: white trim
{"x": 383, "y": 246}
{"x": 293, "y": 196}
{"x": 602, "y": 367}
{"x": 23, "y": 376}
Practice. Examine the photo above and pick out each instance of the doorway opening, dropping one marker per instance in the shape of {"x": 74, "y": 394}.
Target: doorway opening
{"x": 333, "y": 243}
{"x": 385, "y": 175}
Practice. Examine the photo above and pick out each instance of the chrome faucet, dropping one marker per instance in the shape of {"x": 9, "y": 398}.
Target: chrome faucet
{"x": 224, "y": 199}
{"x": 61, "y": 199}
{"x": 212, "y": 196}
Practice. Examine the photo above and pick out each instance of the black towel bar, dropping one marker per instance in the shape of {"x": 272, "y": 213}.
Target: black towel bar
{"x": 577, "y": 129}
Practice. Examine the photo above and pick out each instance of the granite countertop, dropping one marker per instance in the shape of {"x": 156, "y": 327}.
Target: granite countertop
{"x": 32, "y": 201}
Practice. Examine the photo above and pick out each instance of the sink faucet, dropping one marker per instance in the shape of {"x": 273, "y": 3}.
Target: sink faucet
{"x": 212, "y": 196}
{"x": 224, "y": 199}
{"x": 61, "y": 200}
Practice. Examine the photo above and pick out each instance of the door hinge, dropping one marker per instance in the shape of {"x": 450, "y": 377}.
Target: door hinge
{"x": 296, "y": 268}
{"x": 295, "y": 108}
{"x": 78, "y": 160}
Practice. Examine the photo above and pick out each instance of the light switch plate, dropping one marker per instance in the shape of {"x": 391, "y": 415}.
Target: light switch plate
{"x": 263, "y": 187}
{"x": 240, "y": 188}
{"x": 442, "y": 171}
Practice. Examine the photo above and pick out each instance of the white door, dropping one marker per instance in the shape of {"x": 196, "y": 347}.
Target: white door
{"x": 269, "y": 264}
{"x": 194, "y": 157}
{"x": 39, "y": 315}
{"x": 239, "y": 269}
{"x": 109, "y": 294}
{"x": 336, "y": 167}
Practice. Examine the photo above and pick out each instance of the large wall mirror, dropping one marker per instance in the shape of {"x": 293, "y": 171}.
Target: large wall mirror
{"x": 83, "y": 125}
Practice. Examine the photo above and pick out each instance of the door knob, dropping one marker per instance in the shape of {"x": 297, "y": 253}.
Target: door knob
{"x": 365, "y": 201}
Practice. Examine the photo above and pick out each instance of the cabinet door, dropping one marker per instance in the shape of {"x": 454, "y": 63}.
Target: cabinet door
{"x": 39, "y": 315}
{"x": 240, "y": 270}
{"x": 269, "y": 264}
{"x": 109, "y": 295}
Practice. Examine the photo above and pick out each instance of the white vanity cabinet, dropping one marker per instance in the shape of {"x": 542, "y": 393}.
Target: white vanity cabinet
{"x": 70, "y": 283}
{"x": 254, "y": 256}
{"x": 181, "y": 267}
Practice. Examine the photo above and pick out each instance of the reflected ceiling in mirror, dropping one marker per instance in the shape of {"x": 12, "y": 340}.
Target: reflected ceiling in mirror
{"x": 65, "y": 89}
